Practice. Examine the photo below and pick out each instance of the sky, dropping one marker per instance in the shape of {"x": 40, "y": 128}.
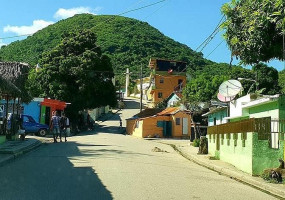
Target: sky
{"x": 187, "y": 21}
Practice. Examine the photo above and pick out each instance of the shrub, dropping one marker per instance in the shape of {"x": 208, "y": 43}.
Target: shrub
{"x": 267, "y": 175}
{"x": 196, "y": 142}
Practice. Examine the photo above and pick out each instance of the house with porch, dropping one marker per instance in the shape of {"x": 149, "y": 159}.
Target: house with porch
{"x": 171, "y": 122}
{"x": 251, "y": 137}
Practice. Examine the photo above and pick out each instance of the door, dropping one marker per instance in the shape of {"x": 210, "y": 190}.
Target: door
{"x": 185, "y": 126}
{"x": 167, "y": 129}
{"x": 47, "y": 115}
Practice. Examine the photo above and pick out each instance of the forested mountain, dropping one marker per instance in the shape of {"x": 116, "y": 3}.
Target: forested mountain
{"x": 128, "y": 42}
{"x": 131, "y": 43}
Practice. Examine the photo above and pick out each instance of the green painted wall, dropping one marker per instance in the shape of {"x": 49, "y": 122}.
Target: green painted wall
{"x": 263, "y": 156}
{"x": 43, "y": 113}
{"x": 219, "y": 115}
{"x": 264, "y": 107}
{"x": 265, "y": 110}
{"x": 234, "y": 152}
{"x": 237, "y": 155}
{"x": 211, "y": 145}
{"x": 253, "y": 158}
{"x": 2, "y": 139}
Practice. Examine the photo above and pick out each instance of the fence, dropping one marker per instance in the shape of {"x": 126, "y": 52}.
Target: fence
{"x": 267, "y": 128}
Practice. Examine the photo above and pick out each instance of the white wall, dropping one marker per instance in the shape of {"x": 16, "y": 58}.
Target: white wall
{"x": 236, "y": 105}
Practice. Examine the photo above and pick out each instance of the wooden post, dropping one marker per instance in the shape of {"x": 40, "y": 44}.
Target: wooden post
{"x": 141, "y": 96}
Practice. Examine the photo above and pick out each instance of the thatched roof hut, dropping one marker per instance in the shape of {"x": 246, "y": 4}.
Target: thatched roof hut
{"x": 13, "y": 77}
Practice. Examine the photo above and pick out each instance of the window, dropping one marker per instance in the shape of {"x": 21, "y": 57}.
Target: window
{"x": 159, "y": 124}
{"x": 177, "y": 121}
{"x": 26, "y": 119}
{"x": 137, "y": 124}
{"x": 161, "y": 80}
{"x": 160, "y": 95}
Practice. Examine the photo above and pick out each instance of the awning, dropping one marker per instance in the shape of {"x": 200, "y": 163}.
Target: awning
{"x": 56, "y": 104}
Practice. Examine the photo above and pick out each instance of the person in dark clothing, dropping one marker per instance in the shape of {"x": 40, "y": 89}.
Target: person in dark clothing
{"x": 121, "y": 123}
{"x": 63, "y": 126}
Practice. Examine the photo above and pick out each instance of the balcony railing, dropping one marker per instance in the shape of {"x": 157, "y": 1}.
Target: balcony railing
{"x": 263, "y": 126}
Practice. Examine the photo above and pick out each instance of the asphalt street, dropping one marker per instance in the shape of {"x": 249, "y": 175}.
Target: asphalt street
{"x": 106, "y": 165}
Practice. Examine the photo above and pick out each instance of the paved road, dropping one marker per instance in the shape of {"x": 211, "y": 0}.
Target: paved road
{"x": 106, "y": 165}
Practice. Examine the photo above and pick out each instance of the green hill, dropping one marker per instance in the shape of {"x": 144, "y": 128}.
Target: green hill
{"x": 128, "y": 42}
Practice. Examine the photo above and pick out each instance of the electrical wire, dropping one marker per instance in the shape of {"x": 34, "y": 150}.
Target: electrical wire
{"x": 215, "y": 48}
{"x": 120, "y": 14}
{"x": 124, "y": 12}
{"x": 211, "y": 36}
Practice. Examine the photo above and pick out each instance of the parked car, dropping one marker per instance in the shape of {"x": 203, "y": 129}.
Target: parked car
{"x": 30, "y": 125}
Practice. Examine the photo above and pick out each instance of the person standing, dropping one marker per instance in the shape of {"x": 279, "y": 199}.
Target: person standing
{"x": 121, "y": 123}
{"x": 63, "y": 126}
{"x": 54, "y": 125}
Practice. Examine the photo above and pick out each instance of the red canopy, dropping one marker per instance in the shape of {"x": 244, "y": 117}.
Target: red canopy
{"x": 54, "y": 104}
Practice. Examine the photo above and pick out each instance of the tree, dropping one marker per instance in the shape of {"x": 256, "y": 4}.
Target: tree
{"x": 203, "y": 88}
{"x": 267, "y": 77}
{"x": 254, "y": 29}
{"x": 75, "y": 71}
{"x": 281, "y": 81}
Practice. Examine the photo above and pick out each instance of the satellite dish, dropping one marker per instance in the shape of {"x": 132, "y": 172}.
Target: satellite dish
{"x": 225, "y": 99}
{"x": 230, "y": 88}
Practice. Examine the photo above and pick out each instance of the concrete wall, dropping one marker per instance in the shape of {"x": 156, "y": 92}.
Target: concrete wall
{"x": 177, "y": 129}
{"x": 167, "y": 87}
{"x": 130, "y": 126}
{"x": 138, "y": 130}
{"x": 263, "y": 156}
{"x": 232, "y": 150}
{"x": 236, "y": 106}
{"x": 266, "y": 110}
{"x": 253, "y": 158}
{"x": 33, "y": 109}
{"x": 150, "y": 127}
{"x": 97, "y": 112}
{"x": 219, "y": 117}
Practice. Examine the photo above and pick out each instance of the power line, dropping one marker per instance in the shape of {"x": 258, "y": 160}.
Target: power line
{"x": 120, "y": 14}
{"x": 215, "y": 48}
{"x": 209, "y": 39}
{"x": 211, "y": 36}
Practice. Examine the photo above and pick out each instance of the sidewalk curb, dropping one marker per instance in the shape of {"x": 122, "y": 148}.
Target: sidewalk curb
{"x": 20, "y": 153}
{"x": 229, "y": 173}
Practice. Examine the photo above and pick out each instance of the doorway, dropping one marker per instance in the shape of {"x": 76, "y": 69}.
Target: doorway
{"x": 185, "y": 126}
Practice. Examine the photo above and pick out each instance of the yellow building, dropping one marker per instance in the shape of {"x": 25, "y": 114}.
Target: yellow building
{"x": 167, "y": 76}
{"x": 171, "y": 122}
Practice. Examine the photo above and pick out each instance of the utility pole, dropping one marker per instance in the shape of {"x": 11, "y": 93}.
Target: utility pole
{"x": 127, "y": 82}
{"x": 141, "y": 96}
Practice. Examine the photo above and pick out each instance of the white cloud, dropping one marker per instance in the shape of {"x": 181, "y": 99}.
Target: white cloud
{"x": 22, "y": 30}
{"x": 63, "y": 13}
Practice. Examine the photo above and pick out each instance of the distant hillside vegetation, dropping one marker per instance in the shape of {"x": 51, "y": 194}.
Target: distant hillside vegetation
{"x": 128, "y": 42}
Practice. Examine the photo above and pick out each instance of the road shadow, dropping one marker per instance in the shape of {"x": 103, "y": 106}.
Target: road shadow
{"x": 131, "y": 104}
{"x": 48, "y": 173}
